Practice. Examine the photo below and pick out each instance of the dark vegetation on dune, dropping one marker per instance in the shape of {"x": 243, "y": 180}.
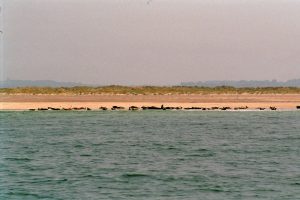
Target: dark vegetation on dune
{"x": 144, "y": 90}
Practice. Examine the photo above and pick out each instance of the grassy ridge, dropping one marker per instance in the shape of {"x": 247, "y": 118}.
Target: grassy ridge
{"x": 143, "y": 90}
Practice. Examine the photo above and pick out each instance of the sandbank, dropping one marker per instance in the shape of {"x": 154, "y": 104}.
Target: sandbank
{"x": 252, "y": 101}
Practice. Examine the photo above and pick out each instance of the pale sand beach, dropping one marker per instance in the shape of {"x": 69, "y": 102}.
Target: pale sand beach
{"x": 252, "y": 101}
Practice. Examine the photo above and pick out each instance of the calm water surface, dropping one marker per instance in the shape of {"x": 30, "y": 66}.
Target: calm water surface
{"x": 150, "y": 155}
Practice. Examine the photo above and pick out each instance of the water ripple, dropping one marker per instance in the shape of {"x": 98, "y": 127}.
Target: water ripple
{"x": 149, "y": 155}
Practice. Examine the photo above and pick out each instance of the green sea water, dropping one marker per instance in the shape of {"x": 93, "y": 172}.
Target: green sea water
{"x": 149, "y": 155}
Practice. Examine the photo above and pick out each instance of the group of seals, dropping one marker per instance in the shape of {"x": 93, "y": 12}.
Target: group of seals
{"x": 162, "y": 107}
{"x": 51, "y": 108}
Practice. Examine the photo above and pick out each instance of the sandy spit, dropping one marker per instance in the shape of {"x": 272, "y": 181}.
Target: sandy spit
{"x": 253, "y": 101}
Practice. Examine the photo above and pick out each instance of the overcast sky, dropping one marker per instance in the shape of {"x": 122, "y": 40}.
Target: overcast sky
{"x": 161, "y": 42}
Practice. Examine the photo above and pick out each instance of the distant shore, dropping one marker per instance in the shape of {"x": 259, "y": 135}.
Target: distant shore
{"x": 94, "y": 102}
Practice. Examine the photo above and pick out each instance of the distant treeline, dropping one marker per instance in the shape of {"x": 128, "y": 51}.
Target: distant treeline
{"x": 39, "y": 83}
{"x": 155, "y": 90}
{"x": 238, "y": 84}
{"x": 244, "y": 83}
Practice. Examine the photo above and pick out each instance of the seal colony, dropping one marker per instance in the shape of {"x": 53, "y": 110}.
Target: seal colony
{"x": 162, "y": 107}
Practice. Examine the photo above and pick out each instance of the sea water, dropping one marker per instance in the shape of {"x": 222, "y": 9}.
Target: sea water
{"x": 149, "y": 155}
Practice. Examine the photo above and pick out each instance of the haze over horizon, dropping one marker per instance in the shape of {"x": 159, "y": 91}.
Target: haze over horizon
{"x": 163, "y": 42}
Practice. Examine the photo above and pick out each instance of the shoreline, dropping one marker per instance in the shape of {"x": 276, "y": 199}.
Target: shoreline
{"x": 93, "y": 102}
{"x": 101, "y": 111}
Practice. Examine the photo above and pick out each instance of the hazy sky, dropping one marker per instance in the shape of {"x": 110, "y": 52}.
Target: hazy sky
{"x": 157, "y": 42}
